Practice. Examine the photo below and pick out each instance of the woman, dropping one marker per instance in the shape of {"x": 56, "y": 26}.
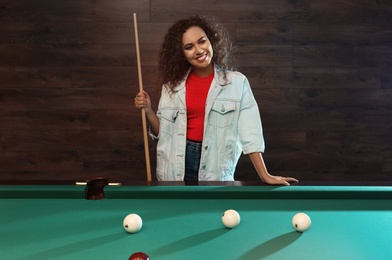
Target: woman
{"x": 207, "y": 115}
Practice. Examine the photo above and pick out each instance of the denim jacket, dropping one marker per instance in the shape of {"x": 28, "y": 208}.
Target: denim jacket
{"x": 232, "y": 125}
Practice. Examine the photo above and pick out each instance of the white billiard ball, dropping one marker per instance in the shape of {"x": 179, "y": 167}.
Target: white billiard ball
{"x": 231, "y": 218}
{"x": 301, "y": 222}
{"x": 132, "y": 223}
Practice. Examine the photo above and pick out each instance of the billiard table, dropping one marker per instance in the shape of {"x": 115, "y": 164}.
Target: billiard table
{"x": 183, "y": 221}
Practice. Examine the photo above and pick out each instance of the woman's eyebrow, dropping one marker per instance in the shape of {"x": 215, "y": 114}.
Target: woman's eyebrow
{"x": 201, "y": 38}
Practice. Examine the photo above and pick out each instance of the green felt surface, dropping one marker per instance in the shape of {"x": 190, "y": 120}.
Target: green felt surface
{"x": 185, "y": 223}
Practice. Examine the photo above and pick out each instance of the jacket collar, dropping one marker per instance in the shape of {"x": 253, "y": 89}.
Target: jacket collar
{"x": 219, "y": 78}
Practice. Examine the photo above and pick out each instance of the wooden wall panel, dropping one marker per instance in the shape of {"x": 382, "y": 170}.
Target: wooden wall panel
{"x": 233, "y": 10}
{"x": 351, "y": 11}
{"x": 314, "y": 33}
{"x": 320, "y": 71}
{"x": 34, "y": 77}
{"x": 265, "y": 55}
{"x": 74, "y": 10}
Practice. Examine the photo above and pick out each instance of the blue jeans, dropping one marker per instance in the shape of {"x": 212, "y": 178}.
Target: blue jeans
{"x": 192, "y": 160}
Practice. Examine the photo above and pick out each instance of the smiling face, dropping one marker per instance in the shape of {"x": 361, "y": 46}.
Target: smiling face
{"x": 197, "y": 50}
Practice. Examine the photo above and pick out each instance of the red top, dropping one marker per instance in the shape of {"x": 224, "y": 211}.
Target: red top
{"x": 196, "y": 96}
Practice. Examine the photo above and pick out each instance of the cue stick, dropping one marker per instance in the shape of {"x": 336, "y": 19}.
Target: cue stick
{"x": 139, "y": 70}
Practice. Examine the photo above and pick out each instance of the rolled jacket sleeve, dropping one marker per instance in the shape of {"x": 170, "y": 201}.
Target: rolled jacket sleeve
{"x": 250, "y": 128}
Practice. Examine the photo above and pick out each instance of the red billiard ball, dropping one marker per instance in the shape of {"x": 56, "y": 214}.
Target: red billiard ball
{"x": 139, "y": 256}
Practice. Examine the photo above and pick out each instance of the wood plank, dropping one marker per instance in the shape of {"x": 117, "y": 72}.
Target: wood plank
{"x": 386, "y": 78}
{"x": 388, "y": 163}
{"x": 44, "y": 119}
{"x": 337, "y": 11}
{"x": 38, "y": 10}
{"x": 116, "y": 77}
{"x": 77, "y": 55}
{"x": 15, "y": 32}
{"x": 346, "y": 98}
{"x": 313, "y": 77}
{"x": 34, "y": 77}
{"x": 109, "y": 11}
{"x": 234, "y": 10}
{"x": 119, "y": 160}
{"x": 279, "y": 33}
{"x": 70, "y": 119}
{"x": 264, "y": 55}
{"x": 45, "y": 161}
{"x": 69, "y": 98}
{"x": 325, "y": 55}
{"x": 348, "y": 141}
{"x": 54, "y": 32}
{"x": 277, "y": 98}
{"x": 368, "y": 56}
{"x": 68, "y": 140}
{"x": 302, "y": 120}
{"x": 72, "y": 10}
{"x": 288, "y": 139}
{"x": 355, "y": 119}
{"x": 319, "y": 165}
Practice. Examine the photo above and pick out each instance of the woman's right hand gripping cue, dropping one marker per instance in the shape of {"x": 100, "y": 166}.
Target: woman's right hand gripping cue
{"x": 142, "y": 100}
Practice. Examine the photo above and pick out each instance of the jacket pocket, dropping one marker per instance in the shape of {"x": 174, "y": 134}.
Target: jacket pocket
{"x": 168, "y": 118}
{"x": 222, "y": 113}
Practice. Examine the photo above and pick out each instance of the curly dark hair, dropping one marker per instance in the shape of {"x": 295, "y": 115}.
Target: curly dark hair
{"x": 172, "y": 64}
